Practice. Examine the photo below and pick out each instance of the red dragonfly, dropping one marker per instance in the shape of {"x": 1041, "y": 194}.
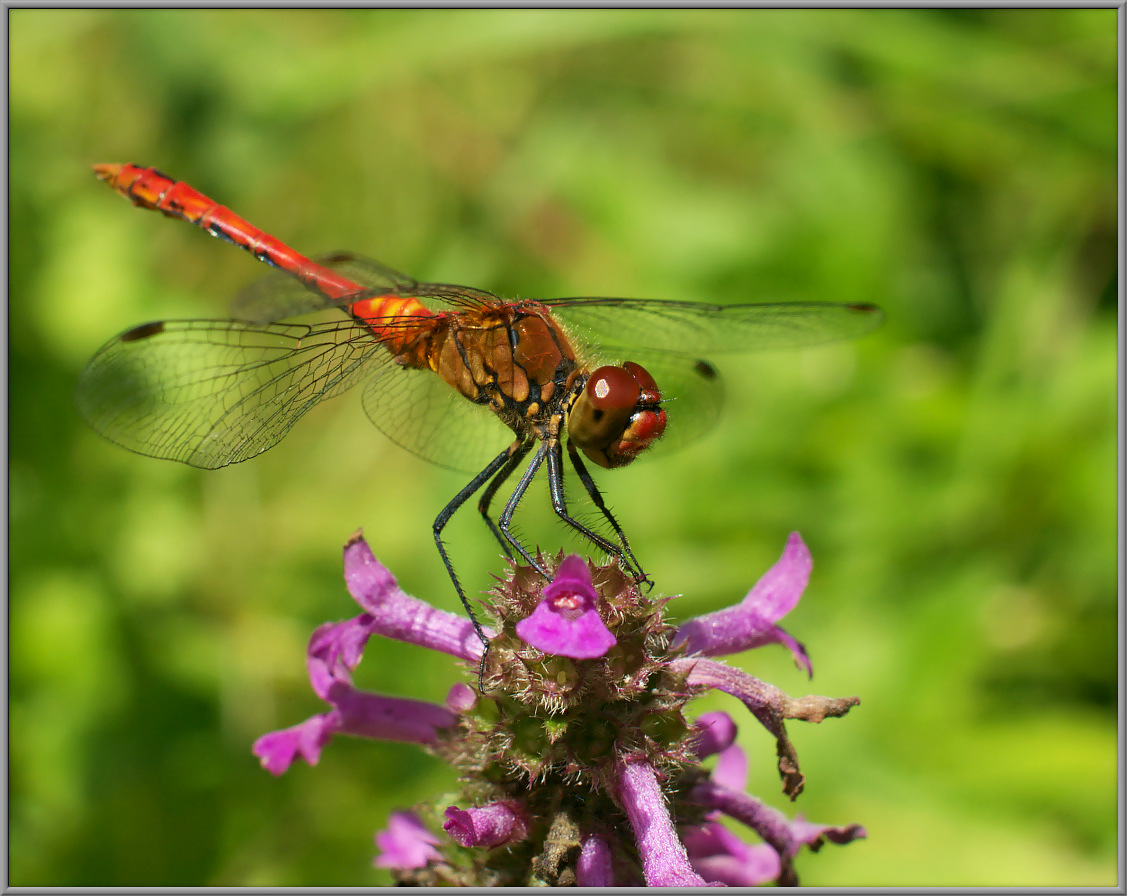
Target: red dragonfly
{"x": 435, "y": 360}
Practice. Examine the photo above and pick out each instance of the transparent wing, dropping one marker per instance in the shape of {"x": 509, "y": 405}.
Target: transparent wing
{"x": 211, "y": 393}
{"x": 280, "y": 295}
{"x": 671, "y": 339}
{"x": 694, "y": 328}
{"x": 215, "y": 392}
{"x": 425, "y": 415}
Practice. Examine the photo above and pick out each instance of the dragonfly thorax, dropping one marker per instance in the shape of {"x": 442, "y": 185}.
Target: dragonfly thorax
{"x": 616, "y": 415}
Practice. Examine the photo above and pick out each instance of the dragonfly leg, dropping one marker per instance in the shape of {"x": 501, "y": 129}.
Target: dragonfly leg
{"x": 626, "y": 554}
{"x": 491, "y": 490}
{"x": 506, "y": 517}
{"x": 498, "y": 463}
{"x": 559, "y": 504}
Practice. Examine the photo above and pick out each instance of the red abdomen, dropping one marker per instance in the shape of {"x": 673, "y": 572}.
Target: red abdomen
{"x": 149, "y": 188}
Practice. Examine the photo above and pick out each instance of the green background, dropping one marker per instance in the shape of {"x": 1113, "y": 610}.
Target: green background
{"x": 955, "y": 474}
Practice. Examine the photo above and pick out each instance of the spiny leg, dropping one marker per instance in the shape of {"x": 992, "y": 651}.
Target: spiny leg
{"x": 440, "y": 523}
{"x": 491, "y": 490}
{"x": 506, "y": 517}
{"x": 625, "y": 553}
{"x": 559, "y": 503}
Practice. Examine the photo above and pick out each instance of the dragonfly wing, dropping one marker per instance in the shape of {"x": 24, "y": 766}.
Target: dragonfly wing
{"x": 280, "y": 295}
{"x": 669, "y": 339}
{"x": 694, "y": 328}
{"x": 213, "y": 393}
{"x": 692, "y": 393}
{"x": 419, "y": 411}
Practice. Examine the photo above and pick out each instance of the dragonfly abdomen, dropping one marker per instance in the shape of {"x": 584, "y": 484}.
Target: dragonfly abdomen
{"x": 398, "y": 321}
{"x": 149, "y": 188}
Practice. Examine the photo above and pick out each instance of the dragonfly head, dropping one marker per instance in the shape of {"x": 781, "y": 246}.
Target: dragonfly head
{"x": 617, "y": 415}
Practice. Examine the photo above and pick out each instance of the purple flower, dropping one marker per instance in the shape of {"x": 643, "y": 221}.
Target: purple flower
{"x": 332, "y": 653}
{"x": 719, "y": 855}
{"x": 665, "y": 862}
{"x": 462, "y": 698}
{"x": 785, "y": 837}
{"x": 493, "y": 824}
{"x": 406, "y": 844}
{"x": 394, "y": 614}
{"x": 337, "y": 647}
{"x": 579, "y": 762}
{"x": 731, "y": 768}
{"x": 566, "y": 621}
{"x": 594, "y": 867}
{"x": 715, "y": 732}
{"x": 768, "y": 704}
{"x": 751, "y": 623}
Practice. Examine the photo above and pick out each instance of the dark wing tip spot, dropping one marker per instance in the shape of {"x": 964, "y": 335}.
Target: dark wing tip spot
{"x": 865, "y": 308}
{"x": 705, "y": 370}
{"x": 144, "y": 331}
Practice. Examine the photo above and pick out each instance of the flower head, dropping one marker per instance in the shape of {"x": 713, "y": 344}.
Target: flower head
{"x": 581, "y": 764}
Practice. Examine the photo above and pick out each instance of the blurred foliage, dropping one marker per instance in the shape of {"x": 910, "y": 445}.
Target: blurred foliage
{"x": 955, "y": 475}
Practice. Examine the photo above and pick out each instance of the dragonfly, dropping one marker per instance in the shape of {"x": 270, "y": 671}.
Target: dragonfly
{"x": 440, "y": 365}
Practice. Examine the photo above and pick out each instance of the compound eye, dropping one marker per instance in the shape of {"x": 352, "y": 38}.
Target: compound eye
{"x": 642, "y": 377}
{"x": 613, "y": 388}
{"x": 617, "y": 415}
{"x": 602, "y": 411}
